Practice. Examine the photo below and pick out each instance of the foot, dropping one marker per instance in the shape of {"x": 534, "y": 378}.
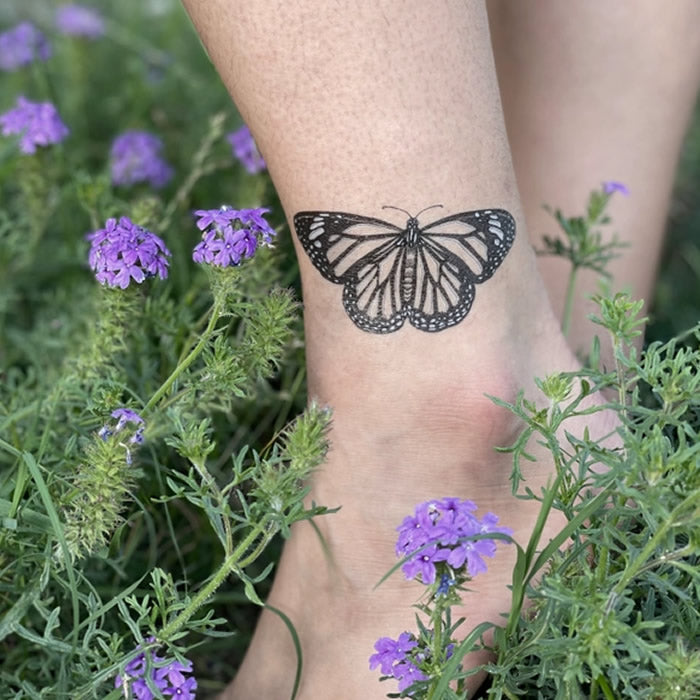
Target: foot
{"x": 411, "y": 423}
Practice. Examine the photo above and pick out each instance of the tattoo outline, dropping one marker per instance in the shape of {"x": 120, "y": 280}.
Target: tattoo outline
{"x": 390, "y": 274}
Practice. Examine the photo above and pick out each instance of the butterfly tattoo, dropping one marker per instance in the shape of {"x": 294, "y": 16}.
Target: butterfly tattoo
{"x": 390, "y": 274}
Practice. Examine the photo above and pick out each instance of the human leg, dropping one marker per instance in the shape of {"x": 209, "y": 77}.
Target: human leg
{"x": 386, "y": 103}
{"x": 594, "y": 91}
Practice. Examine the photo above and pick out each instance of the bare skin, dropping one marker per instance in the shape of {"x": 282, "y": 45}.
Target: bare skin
{"x": 389, "y": 103}
{"x": 591, "y": 92}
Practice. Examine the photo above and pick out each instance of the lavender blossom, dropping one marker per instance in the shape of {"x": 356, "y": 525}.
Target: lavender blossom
{"x": 168, "y": 678}
{"x": 21, "y": 46}
{"x": 612, "y": 186}
{"x": 37, "y": 124}
{"x": 122, "y": 252}
{"x": 397, "y": 658}
{"x": 436, "y": 536}
{"x": 124, "y": 416}
{"x": 79, "y": 20}
{"x": 135, "y": 157}
{"x": 230, "y": 236}
{"x": 246, "y": 151}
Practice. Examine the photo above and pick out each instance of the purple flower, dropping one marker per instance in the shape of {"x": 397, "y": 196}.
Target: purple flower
{"x": 471, "y": 553}
{"x": 21, "y": 45}
{"x": 407, "y": 674}
{"x": 135, "y": 157}
{"x": 79, "y": 20}
{"x": 215, "y": 217}
{"x": 176, "y": 684}
{"x": 416, "y": 530}
{"x": 390, "y": 652}
{"x": 169, "y": 678}
{"x": 612, "y": 186}
{"x": 245, "y": 150}
{"x": 437, "y": 533}
{"x": 122, "y": 252}
{"x": 124, "y": 416}
{"x": 37, "y": 124}
{"x": 230, "y": 235}
{"x": 397, "y": 658}
{"x": 423, "y": 564}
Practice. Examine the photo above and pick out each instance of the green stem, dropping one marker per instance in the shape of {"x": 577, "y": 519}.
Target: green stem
{"x": 234, "y": 561}
{"x": 194, "y": 353}
{"x": 602, "y": 682}
{"x": 437, "y": 642}
{"x": 619, "y": 370}
{"x": 569, "y": 302}
{"x": 199, "y": 169}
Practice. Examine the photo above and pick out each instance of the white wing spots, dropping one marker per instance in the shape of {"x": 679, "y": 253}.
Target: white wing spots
{"x": 316, "y": 229}
{"x": 496, "y": 228}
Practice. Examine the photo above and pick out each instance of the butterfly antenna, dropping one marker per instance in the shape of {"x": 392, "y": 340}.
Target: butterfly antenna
{"x": 432, "y": 206}
{"x": 388, "y": 206}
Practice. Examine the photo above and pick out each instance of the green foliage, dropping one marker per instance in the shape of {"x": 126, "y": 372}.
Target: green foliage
{"x": 617, "y": 609}
{"x": 106, "y": 543}
{"x": 583, "y": 244}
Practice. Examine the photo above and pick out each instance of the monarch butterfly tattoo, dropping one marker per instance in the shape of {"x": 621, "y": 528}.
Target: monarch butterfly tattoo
{"x": 423, "y": 274}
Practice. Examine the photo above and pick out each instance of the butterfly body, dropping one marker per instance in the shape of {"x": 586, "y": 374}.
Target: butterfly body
{"x": 425, "y": 275}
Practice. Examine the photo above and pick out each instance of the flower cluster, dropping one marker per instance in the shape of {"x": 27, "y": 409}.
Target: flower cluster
{"x": 125, "y": 416}
{"x": 169, "y": 678}
{"x": 37, "y": 124}
{"x": 246, "y": 151}
{"x": 230, "y": 235}
{"x": 22, "y": 45}
{"x": 438, "y": 543}
{"x": 396, "y": 657}
{"x": 438, "y": 534}
{"x": 123, "y": 251}
{"x": 78, "y": 20}
{"x": 135, "y": 157}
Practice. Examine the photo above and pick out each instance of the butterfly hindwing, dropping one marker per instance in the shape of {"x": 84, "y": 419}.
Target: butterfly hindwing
{"x": 372, "y": 295}
{"x": 389, "y": 274}
{"x": 443, "y": 293}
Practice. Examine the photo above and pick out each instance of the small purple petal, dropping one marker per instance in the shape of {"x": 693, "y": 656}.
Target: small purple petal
{"x": 78, "y": 20}
{"x": 612, "y": 186}
{"x": 245, "y": 150}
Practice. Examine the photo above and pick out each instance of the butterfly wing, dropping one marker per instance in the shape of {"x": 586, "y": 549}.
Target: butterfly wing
{"x": 432, "y": 283}
{"x": 442, "y": 293}
{"x": 481, "y": 239}
{"x": 335, "y": 241}
{"x": 454, "y": 254}
{"x": 366, "y": 256}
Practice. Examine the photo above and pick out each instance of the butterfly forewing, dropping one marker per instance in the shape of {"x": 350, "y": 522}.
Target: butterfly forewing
{"x": 480, "y": 239}
{"x": 335, "y": 241}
